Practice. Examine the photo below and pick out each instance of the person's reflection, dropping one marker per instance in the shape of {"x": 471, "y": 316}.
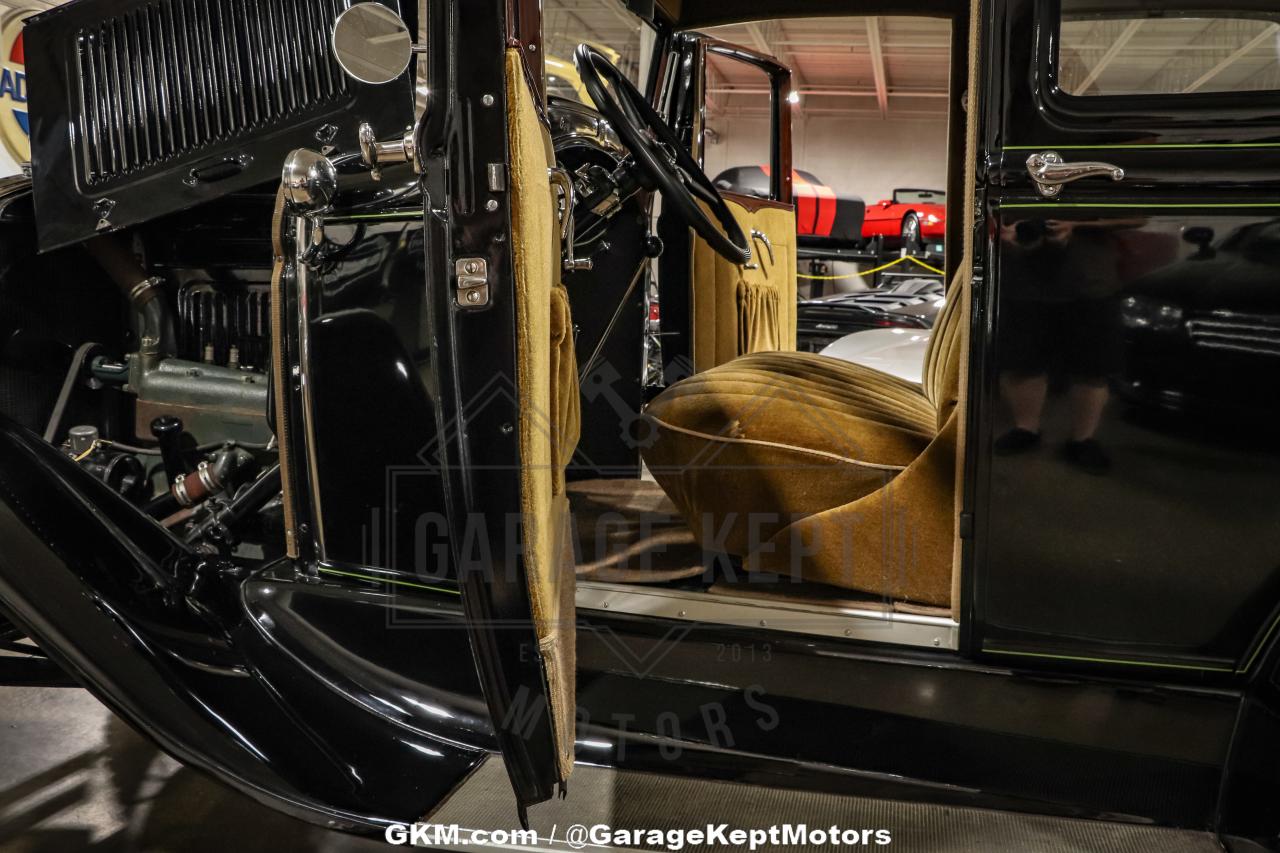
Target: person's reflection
{"x": 1058, "y": 318}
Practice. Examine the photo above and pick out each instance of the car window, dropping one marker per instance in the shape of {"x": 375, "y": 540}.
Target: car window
{"x": 738, "y": 133}
{"x": 607, "y": 26}
{"x": 1105, "y": 50}
{"x": 919, "y": 197}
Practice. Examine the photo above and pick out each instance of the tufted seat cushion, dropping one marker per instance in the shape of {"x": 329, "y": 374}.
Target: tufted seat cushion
{"x": 776, "y": 436}
{"x": 819, "y": 468}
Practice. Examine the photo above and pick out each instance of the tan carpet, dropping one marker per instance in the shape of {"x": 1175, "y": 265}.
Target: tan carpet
{"x": 627, "y": 531}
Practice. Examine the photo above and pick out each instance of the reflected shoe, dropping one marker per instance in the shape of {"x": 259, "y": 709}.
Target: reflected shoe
{"x": 1016, "y": 440}
{"x": 1087, "y": 455}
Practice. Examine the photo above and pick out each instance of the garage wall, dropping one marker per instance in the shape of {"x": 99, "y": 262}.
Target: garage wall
{"x": 864, "y": 155}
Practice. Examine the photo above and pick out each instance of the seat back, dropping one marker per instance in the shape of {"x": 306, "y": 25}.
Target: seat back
{"x": 943, "y": 356}
{"x": 738, "y": 310}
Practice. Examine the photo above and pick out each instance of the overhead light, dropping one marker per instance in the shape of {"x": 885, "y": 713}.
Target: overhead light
{"x": 794, "y": 96}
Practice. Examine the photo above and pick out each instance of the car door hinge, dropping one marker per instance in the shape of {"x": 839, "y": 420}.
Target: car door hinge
{"x": 497, "y": 177}
{"x": 966, "y": 525}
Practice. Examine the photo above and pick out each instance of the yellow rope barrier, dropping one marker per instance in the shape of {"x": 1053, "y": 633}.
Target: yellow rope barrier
{"x": 871, "y": 271}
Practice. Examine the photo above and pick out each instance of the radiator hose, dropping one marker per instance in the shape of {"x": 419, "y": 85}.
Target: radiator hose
{"x": 144, "y": 294}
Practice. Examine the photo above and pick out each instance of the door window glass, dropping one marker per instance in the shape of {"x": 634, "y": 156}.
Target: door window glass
{"x": 1118, "y": 52}
{"x": 738, "y": 130}
{"x": 607, "y": 26}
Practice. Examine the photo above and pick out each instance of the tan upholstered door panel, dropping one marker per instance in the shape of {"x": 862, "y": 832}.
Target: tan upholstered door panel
{"x": 549, "y": 415}
{"x": 744, "y": 309}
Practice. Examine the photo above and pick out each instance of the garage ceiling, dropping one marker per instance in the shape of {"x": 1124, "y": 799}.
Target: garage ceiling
{"x": 888, "y": 66}
{"x": 1121, "y": 56}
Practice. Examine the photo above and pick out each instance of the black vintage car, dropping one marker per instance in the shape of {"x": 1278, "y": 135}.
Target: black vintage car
{"x": 326, "y": 460}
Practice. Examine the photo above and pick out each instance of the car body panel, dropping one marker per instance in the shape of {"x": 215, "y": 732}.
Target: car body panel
{"x": 911, "y": 304}
{"x": 158, "y": 633}
{"x": 824, "y": 218}
{"x": 102, "y": 163}
{"x": 897, "y": 352}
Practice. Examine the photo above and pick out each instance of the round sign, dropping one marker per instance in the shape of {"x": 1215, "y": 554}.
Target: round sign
{"x": 15, "y": 125}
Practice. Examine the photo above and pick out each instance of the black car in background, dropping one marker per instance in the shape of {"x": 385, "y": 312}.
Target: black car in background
{"x": 1215, "y": 357}
{"x": 825, "y": 220}
{"x": 823, "y": 320}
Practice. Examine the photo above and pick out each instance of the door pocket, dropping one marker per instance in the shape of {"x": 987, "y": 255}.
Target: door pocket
{"x": 759, "y": 317}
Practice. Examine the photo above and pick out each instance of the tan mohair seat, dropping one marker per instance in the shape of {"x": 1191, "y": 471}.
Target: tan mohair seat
{"x": 811, "y": 466}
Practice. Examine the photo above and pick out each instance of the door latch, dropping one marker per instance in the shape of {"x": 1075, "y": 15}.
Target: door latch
{"x": 472, "y": 282}
{"x": 1049, "y": 172}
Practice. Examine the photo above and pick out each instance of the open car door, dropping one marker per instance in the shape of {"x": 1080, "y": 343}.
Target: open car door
{"x": 714, "y": 310}
{"x": 511, "y": 417}
{"x": 298, "y": 679}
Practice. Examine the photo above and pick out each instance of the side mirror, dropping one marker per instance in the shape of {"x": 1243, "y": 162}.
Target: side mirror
{"x": 372, "y": 43}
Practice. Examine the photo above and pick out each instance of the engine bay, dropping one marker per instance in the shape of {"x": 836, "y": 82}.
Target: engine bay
{"x": 154, "y": 367}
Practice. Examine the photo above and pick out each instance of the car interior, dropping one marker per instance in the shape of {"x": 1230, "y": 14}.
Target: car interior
{"x": 760, "y": 486}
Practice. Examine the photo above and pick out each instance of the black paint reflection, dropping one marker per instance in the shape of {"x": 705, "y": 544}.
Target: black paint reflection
{"x": 1135, "y": 486}
{"x": 1061, "y": 325}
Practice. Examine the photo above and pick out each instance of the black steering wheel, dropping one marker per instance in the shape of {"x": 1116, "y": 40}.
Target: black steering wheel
{"x": 660, "y": 156}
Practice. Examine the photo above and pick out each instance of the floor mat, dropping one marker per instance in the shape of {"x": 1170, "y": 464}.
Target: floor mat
{"x": 628, "y": 531}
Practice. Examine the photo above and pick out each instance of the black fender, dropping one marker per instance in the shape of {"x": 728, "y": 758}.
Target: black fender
{"x": 298, "y": 693}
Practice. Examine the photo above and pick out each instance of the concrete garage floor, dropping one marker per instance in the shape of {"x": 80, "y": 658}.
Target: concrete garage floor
{"x": 74, "y": 777}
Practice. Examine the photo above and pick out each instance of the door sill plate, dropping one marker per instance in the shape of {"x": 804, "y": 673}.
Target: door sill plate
{"x": 718, "y": 608}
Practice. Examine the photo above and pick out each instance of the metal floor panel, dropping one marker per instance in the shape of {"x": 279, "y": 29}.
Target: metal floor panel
{"x": 622, "y": 799}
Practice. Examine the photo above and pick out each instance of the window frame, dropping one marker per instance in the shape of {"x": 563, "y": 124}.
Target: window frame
{"x": 780, "y": 161}
{"x": 1261, "y": 107}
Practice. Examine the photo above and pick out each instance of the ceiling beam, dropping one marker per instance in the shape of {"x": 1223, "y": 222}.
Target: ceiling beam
{"x": 1253, "y": 44}
{"x": 1112, "y": 52}
{"x": 877, "y": 65}
{"x": 769, "y": 38}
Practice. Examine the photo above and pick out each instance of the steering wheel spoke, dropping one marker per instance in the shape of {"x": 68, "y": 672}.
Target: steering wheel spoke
{"x": 659, "y": 156}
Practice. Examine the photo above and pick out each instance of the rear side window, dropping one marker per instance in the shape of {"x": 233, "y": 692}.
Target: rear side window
{"x": 1112, "y": 48}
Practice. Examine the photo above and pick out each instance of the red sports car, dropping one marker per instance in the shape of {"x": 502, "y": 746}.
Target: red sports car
{"x": 912, "y": 220}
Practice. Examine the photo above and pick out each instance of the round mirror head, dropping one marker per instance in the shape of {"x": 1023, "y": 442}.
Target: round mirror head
{"x": 372, "y": 43}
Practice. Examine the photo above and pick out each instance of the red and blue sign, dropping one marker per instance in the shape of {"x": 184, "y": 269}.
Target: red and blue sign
{"x": 15, "y": 123}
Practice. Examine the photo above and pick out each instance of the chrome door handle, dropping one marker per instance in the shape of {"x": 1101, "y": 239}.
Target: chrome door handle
{"x": 757, "y": 234}
{"x": 1050, "y": 172}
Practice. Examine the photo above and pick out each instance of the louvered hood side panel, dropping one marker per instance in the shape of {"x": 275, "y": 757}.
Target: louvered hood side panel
{"x": 144, "y": 107}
